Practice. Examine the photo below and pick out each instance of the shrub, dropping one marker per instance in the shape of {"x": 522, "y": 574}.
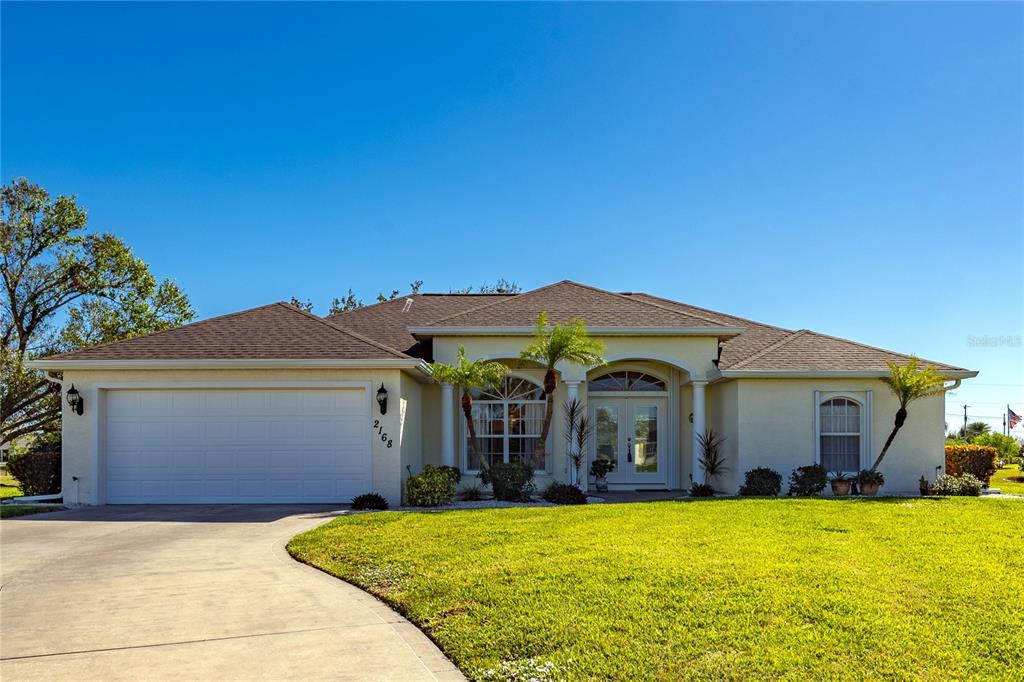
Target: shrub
{"x": 511, "y": 482}
{"x": 369, "y": 501}
{"x": 762, "y": 481}
{"x": 454, "y": 472}
{"x": 37, "y": 471}
{"x": 432, "y": 487}
{"x": 1008, "y": 448}
{"x": 701, "y": 490}
{"x": 977, "y": 460}
{"x": 563, "y": 493}
{"x": 472, "y": 493}
{"x": 966, "y": 485}
{"x": 808, "y": 480}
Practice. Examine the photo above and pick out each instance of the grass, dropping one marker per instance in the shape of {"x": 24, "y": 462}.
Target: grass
{"x": 999, "y": 479}
{"x": 9, "y": 511}
{"x": 8, "y": 486}
{"x": 718, "y": 589}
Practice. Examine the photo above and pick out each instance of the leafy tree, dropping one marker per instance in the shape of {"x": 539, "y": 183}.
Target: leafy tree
{"x": 340, "y": 305}
{"x": 467, "y": 375}
{"x": 909, "y": 382}
{"x": 502, "y": 286}
{"x": 50, "y": 266}
{"x": 1007, "y": 446}
{"x": 560, "y": 343}
{"x": 297, "y": 302}
{"x": 973, "y": 429}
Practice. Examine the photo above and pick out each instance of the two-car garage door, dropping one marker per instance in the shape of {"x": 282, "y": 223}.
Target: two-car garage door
{"x": 268, "y": 445}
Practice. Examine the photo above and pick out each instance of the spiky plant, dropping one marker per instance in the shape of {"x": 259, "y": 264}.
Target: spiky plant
{"x": 711, "y": 459}
{"x": 909, "y": 382}
{"x": 467, "y": 375}
{"x": 553, "y": 344}
{"x": 577, "y": 435}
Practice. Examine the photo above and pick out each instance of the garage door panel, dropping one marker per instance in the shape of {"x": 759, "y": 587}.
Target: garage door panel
{"x": 243, "y": 446}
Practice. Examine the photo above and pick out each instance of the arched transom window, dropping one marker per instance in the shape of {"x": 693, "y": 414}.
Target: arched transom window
{"x": 840, "y": 434}
{"x": 626, "y": 381}
{"x": 508, "y": 421}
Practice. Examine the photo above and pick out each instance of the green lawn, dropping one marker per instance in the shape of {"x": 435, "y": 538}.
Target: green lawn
{"x": 8, "y": 487}
{"x": 734, "y": 588}
{"x": 1010, "y": 487}
{"x": 9, "y": 511}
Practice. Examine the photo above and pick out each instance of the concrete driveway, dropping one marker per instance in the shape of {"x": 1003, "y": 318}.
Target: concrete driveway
{"x": 190, "y": 593}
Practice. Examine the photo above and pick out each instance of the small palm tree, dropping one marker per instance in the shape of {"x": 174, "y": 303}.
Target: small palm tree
{"x": 560, "y": 343}
{"x": 909, "y": 382}
{"x": 711, "y": 458}
{"x": 467, "y": 375}
{"x": 974, "y": 429}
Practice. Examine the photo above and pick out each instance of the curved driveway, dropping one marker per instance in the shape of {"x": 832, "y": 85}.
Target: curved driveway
{"x": 190, "y": 593}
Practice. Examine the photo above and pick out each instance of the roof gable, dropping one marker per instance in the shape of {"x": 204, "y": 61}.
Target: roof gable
{"x": 566, "y": 301}
{"x": 278, "y": 331}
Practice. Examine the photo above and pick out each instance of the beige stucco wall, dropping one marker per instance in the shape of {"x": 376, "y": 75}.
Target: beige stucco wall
{"x": 82, "y": 434}
{"x": 775, "y": 427}
{"x": 412, "y": 426}
{"x": 722, "y": 411}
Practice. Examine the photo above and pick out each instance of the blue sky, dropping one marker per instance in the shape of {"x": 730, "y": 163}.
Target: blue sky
{"x": 852, "y": 168}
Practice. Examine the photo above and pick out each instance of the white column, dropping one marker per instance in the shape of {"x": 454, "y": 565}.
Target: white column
{"x": 573, "y": 388}
{"x": 447, "y": 425}
{"x": 698, "y": 428}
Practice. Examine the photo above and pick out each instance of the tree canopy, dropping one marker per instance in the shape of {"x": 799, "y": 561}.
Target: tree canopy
{"x": 64, "y": 289}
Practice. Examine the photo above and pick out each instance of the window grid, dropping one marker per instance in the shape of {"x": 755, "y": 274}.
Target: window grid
{"x": 840, "y": 434}
{"x": 508, "y": 421}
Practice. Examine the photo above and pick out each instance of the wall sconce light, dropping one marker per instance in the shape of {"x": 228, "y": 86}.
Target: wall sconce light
{"x": 382, "y": 399}
{"x": 75, "y": 400}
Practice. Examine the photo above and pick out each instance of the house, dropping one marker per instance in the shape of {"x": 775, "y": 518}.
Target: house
{"x": 274, "y": 404}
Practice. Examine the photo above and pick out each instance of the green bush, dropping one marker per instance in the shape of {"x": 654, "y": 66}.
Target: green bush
{"x": 870, "y": 476}
{"x": 965, "y": 485}
{"x": 977, "y": 460}
{"x": 1007, "y": 448}
{"x": 761, "y": 482}
{"x": 37, "y": 471}
{"x": 433, "y": 487}
{"x": 807, "y": 481}
{"x": 511, "y": 482}
{"x": 701, "y": 490}
{"x": 563, "y": 493}
{"x": 369, "y": 501}
{"x": 454, "y": 472}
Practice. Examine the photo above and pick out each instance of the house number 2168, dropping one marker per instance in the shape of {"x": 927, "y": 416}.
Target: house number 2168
{"x": 380, "y": 432}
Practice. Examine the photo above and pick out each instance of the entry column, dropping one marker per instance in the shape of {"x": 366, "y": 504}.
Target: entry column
{"x": 447, "y": 425}
{"x": 698, "y": 427}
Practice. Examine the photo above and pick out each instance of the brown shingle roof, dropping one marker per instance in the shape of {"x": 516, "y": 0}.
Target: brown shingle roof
{"x": 277, "y": 331}
{"x": 389, "y": 321}
{"x": 566, "y": 301}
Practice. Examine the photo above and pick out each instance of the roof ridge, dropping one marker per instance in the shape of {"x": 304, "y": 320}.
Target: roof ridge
{"x": 636, "y": 300}
{"x": 770, "y": 347}
{"x": 169, "y": 329}
{"x": 882, "y": 350}
{"x": 489, "y": 304}
{"x": 715, "y": 312}
{"x": 336, "y": 328}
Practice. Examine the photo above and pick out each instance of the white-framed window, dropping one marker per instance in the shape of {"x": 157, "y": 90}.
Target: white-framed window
{"x": 626, "y": 380}
{"x": 842, "y": 433}
{"x": 508, "y": 421}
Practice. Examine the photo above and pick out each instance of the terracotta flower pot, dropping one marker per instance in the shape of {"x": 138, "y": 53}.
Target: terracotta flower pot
{"x": 869, "y": 489}
{"x": 841, "y": 488}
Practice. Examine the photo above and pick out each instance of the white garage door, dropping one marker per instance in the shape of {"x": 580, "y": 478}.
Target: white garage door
{"x": 237, "y": 446}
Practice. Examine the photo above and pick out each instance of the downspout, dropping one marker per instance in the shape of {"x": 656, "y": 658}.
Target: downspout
{"x": 59, "y": 494}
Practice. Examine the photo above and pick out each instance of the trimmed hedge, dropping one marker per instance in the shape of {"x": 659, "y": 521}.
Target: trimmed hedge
{"x": 808, "y": 481}
{"x": 433, "y": 487}
{"x": 965, "y": 485}
{"x": 369, "y": 501}
{"x": 511, "y": 481}
{"x": 563, "y": 493}
{"x": 761, "y": 482}
{"x": 37, "y": 471}
{"x": 977, "y": 460}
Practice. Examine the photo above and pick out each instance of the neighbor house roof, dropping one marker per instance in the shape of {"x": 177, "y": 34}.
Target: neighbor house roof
{"x": 278, "y": 331}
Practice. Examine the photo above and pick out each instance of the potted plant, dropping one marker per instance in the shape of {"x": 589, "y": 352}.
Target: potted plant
{"x": 599, "y": 469}
{"x": 840, "y": 482}
{"x": 870, "y": 481}
{"x": 923, "y": 486}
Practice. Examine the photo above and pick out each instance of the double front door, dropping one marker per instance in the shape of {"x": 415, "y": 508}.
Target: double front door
{"x": 631, "y": 432}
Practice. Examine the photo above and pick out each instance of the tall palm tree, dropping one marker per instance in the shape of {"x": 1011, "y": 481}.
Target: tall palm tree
{"x": 909, "y": 382}
{"x": 974, "y": 429}
{"x": 467, "y": 375}
{"x": 559, "y": 343}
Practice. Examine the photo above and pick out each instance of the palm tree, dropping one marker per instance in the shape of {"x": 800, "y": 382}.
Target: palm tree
{"x": 467, "y": 375}
{"x": 559, "y": 343}
{"x": 909, "y": 382}
{"x": 974, "y": 429}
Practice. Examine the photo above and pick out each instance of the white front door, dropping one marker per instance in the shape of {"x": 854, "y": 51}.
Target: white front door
{"x": 630, "y": 432}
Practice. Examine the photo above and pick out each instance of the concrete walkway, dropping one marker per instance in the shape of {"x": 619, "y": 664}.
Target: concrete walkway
{"x": 190, "y": 593}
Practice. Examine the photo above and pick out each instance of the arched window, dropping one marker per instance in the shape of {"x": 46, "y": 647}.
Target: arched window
{"x": 626, "y": 381}
{"x": 840, "y": 434}
{"x": 508, "y": 423}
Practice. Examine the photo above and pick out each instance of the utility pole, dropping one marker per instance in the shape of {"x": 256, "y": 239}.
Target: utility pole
{"x": 965, "y": 421}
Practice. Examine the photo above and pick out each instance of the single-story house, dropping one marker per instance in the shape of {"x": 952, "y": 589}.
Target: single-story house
{"x": 275, "y": 404}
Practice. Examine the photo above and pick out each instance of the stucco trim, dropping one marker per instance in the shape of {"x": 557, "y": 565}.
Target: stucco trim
{"x": 396, "y": 363}
{"x": 720, "y": 332}
{"x": 821, "y": 374}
